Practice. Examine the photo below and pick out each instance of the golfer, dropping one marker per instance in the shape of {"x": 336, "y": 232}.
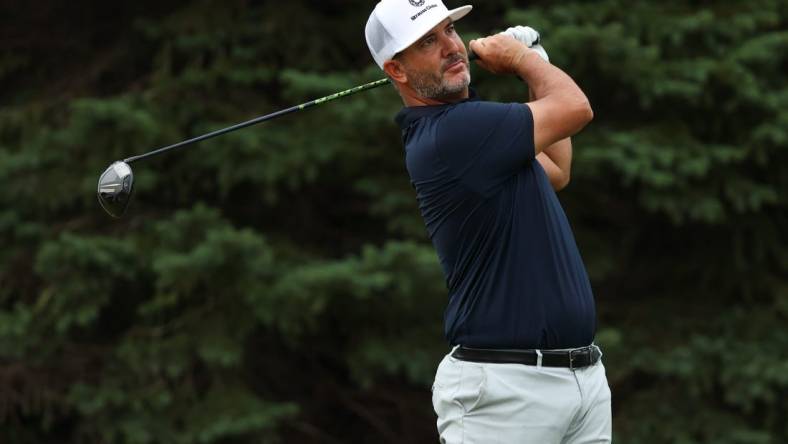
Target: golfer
{"x": 520, "y": 316}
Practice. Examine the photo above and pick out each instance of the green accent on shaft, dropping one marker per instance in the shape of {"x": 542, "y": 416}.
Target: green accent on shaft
{"x": 350, "y": 91}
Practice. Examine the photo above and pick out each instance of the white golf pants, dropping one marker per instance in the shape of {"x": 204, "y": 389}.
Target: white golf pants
{"x": 480, "y": 403}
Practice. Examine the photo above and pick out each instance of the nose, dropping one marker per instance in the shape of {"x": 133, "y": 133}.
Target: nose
{"x": 451, "y": 45}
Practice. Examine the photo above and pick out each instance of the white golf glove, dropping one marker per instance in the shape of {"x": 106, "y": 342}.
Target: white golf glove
{"x": 529, "y": 37}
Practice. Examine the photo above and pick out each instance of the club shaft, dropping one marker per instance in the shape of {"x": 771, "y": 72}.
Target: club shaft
{"x": 267, "y": 117}
{"x": 261, "y": 119}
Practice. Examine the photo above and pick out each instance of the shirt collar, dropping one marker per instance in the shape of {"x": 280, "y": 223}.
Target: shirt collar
{"x": 410, "y": 114}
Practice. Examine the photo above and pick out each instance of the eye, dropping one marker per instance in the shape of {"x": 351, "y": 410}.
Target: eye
{"x": 450, "y": 30}
{"x": 428, "y": 41}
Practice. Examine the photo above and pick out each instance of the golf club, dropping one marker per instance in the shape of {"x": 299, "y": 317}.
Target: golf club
{"x": 116, "y": 183}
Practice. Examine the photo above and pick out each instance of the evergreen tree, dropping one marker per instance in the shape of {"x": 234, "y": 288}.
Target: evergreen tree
{"x": 276, "y": 284}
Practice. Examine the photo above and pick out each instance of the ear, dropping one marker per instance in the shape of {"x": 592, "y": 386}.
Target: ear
{"x": 395, "y": 70}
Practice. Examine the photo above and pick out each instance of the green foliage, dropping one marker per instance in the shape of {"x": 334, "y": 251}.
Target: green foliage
{"x": 276, "y": 284}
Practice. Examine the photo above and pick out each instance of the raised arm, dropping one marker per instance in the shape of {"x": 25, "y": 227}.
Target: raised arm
{"x": 561, "y": 108}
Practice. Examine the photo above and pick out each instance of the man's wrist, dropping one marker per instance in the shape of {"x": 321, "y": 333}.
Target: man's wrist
{"x": 523, "y": 59}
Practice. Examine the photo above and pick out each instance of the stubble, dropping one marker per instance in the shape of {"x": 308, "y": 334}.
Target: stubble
{"x": 433, "y": 85}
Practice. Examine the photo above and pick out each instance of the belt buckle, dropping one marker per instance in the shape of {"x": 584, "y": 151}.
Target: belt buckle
{"x": 572, "y": 359}
{"x": 572, "y": 356}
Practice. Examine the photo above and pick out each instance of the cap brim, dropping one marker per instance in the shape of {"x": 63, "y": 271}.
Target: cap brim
{"x": 454, "y": 14}
{"x": 458, "y": 13}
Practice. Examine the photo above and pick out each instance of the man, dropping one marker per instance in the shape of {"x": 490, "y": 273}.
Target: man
{"x": 521, "y": 316}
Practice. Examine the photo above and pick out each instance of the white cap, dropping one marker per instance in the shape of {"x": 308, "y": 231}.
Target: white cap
{"x": 396, "y": 24}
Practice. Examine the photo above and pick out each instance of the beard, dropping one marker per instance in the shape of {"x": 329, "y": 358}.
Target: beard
{"x": 432, "y": 85}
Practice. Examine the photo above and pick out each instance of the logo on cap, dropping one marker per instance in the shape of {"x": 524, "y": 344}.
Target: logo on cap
{"x": 417, "y": 3}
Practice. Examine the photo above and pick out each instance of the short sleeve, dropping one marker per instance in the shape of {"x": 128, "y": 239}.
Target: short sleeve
{"x": 485, "y": 143}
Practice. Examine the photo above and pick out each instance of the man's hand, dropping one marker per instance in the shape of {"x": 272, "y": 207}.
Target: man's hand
{"x": 529, "y": 37}
{"x": 524, "y": 34}
{"x": 500, "y": 53}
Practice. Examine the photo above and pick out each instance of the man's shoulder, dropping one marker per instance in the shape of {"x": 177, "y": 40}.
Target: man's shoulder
{"x": 468, "y": 118}
{"x": 457, "y": 113}
{"x": 471, "y": 105}
{"x": 483, "y": 107}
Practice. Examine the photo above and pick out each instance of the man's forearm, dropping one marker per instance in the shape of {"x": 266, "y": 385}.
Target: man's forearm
{"x": 545, "y": 79}
{"x": 556, "y": 159}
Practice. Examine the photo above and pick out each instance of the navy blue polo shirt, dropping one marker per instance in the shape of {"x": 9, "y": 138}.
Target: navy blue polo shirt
{"x": 514, "y": 273}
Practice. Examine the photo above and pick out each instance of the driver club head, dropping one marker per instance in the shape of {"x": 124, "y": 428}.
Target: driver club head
{"x": 114, "y": 188}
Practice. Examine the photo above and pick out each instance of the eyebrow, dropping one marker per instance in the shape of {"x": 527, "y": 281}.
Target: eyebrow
{"x": 431, "y": 33}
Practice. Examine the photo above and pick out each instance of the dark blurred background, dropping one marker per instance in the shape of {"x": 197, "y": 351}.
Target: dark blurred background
{"x": 276, "y": 285}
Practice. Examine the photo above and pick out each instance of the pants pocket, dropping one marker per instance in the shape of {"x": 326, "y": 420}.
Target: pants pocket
{"x": 457, "y": 391}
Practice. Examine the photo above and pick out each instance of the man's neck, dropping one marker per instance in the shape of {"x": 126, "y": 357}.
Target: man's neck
{"x": 411, "y": 98}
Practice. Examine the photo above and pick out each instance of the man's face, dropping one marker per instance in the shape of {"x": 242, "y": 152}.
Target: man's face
{"x": 437, "y": 64}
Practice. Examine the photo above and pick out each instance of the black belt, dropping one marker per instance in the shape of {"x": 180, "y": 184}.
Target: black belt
{"x": 572, "y": 359}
